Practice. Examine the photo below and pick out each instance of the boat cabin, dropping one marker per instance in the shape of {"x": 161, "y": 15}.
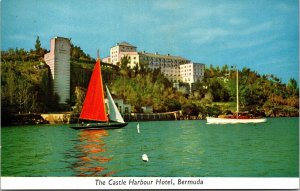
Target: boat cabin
{"x": 239, "y": 115}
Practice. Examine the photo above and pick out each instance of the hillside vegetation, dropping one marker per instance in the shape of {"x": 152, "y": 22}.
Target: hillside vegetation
{"x": 26, "y": 86}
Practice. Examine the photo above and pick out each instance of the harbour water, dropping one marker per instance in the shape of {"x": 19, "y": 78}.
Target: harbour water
{"x": 174, "y": 148}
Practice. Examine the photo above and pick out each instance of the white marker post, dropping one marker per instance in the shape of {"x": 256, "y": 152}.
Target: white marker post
{"x": 144, "y": 156}
{"x": 138, "y": 128}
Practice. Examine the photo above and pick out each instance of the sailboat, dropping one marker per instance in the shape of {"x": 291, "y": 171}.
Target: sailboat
{"x": 239, "y": 117}
{"x": 94, "y": 106}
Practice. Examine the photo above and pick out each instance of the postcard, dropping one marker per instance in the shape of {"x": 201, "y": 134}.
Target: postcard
{"x": 140, "y": 94}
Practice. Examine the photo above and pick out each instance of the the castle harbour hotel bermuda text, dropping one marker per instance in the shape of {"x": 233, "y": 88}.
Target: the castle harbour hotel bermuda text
{"x": 149, "y": 182}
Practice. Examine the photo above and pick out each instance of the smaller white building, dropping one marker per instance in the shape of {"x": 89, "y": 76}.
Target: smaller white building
{"x": 133, "y": 58}
{"x": 147, "y": 109}
{"x": 121, "y": 49}
{"x": 123, "y": 107}
{"x": 106, "y": 60}
{"x": 192, "y": 72}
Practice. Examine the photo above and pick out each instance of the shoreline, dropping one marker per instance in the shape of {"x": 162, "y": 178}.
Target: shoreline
{"x": 67, "y": 118}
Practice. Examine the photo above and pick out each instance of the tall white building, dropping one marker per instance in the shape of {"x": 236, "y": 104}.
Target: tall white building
{"x": 58, "y": 60}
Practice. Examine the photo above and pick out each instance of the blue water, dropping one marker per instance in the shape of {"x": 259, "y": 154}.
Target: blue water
{"x": 174, "y": 148}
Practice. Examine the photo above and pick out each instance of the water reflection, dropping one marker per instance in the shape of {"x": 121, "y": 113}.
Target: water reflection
{"x": 91, "y": 154}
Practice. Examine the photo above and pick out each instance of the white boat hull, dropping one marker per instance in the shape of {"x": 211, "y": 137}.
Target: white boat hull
{"x": 214, "y": 120}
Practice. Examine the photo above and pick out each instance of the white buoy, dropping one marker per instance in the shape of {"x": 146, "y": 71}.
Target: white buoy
{"x": 138, "y": 128}
{"x": 145, "y": 158}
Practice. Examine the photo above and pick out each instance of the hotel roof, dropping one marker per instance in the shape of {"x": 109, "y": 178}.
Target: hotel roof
{"x": 156, "y": 55}
{"x": 125, "y": 44}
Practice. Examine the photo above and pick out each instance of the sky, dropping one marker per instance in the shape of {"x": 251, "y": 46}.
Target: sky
{"x": 262, "y": 35}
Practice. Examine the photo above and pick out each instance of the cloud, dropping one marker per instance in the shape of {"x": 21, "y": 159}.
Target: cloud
{"x": 211, "y": 22}
{"x": 283, "y": 7}
{"x": 206, "y": 35}
{"x": 169, "y": 4}
{"x": 223, "y": 10}
{"x": 136, "y": 18}
{"x": 238, "y": 43}
{"x": 237, "y": 21}
{"x": 236, "y": 35}
{"x": 258, "y": 28}
{"x": 19, "y": 37}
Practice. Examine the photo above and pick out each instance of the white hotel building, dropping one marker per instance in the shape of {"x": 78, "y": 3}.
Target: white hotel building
{"x": 175, "y": 68}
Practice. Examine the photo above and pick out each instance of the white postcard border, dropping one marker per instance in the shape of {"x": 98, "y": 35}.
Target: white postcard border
{"x": 78, "y": 183}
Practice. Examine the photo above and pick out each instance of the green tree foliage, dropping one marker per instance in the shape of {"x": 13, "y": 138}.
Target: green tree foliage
{"x": 26, "y": 87}
{"x": 143, "y": 91}
{"x": 80, "y": 76}
{"x": 37, "y": 46}
{"x": 81, "y": 73}
{"x": 124, "y": 66}
{"x": 80, "y": 96}
{"x": 27, "y": 84}
{"x": 22, "y": 55}
{"x": 77, "y": 54}
{"x": 190, "y": 109}
{"x": 258, "y": 94}
{"x": 143, "y": 87}
{"x": 292, "y": 87}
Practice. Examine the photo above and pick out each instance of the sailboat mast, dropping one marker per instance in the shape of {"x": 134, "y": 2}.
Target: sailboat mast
{"x": 237, "y": 92}
{"x": 98, "y": 54}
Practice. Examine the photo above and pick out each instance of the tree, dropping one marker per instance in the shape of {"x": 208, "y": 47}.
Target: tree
{"x": 190, "y": 109}
{"x": 80, "y": 95}
{"x": 78, "y": 54}
{"x": 124, "y": 66}
{"x": 37, "y": 45}
{"x": 38, "y": 53}
{"x": 125, "y": 61}
{"x": 199, "y": 89}
{"x": 292, "y": 86}
{"x": 224, "y": 70}
{"x": 218, "y": 90}
{"x": 208, "y": 98}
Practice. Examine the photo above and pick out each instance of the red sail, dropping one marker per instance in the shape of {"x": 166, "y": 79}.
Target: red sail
{"x": 94, "y": 105}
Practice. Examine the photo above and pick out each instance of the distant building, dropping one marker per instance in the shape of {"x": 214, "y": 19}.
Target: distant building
{"x": 175, "y": 68}
{"x": 134, "y": 58}
{"x": 191, "y": 72}
{"x": 116, "y": 52}
{"x": 58, "y": 60}
{"x": 147, "y": 109}
{"x": 106, "y": 60}
{"x": 169, "y": 65}
{"x": 124, "y": 108}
